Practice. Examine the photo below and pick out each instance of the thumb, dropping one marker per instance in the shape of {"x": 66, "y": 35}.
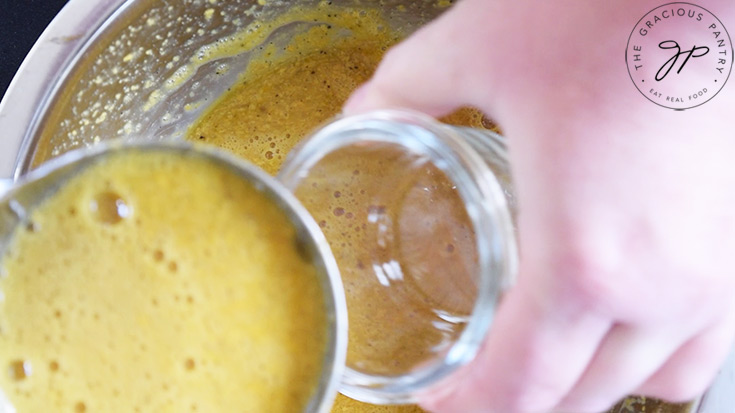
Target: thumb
{"x": 443, "y": 66}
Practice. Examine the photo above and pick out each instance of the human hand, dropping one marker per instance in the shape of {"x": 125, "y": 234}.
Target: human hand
{"x": 627, "y": 224}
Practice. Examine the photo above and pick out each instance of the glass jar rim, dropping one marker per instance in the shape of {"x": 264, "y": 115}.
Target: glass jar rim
{"x": 448, "y": 149}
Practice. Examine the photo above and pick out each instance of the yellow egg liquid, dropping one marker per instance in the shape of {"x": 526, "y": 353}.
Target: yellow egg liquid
{"x": 288, "y": 92}
{"x": 155, "y": 282}
{"x": 344, "y": 404}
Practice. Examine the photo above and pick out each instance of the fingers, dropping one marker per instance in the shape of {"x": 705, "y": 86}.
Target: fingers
{"x": 664, "y": 363}
{"x": 691, "y": 368}
{"x": 531, "y": 359}
{"x": 625, "y": 358}
{"x": 535, "y": 361}
{"x": 432, "y": 70}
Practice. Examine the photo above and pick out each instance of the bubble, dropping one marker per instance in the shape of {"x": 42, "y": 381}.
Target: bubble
{"x": 450, "y": 247}
{"x": 80, "y": 407}
{"x": 173, "y": 266}
{"x": 339, "y": 211}
{"x": 158, "y": 255}
{"x": 487, "y": 123}
{"x": 189, "y": 364}
{"x": 109, "y": 208}
{"x": 269, "y": 155}
{"x": 337, "y": 194}
{"x": 20, "y": 369}
{"x": 374, "y": 210}
{"x": 31, "y": 226}
{"x": 53, "y": 365}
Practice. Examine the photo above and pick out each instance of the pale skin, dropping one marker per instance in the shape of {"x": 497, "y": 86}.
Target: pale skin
{"x": 627, "y": 223}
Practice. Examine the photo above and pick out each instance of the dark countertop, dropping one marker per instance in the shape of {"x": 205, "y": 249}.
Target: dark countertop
{"x": 21, "y": 22}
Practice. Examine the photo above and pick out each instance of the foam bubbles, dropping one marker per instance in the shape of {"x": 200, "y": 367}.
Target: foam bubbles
{"x": 109, "y": 208}
{"x": 20, "y": 369}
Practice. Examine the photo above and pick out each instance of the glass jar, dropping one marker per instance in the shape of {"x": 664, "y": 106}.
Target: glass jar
{"x": 419, "y": 216}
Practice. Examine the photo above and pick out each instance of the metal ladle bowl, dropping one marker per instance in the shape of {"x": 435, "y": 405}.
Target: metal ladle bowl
{"x": 22, "y": 197}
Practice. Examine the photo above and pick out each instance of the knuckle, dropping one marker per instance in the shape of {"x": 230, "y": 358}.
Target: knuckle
{"x": 582, "y": 277}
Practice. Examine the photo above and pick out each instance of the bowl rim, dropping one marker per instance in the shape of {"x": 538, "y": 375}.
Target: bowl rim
{"x": 34, "y": 83}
